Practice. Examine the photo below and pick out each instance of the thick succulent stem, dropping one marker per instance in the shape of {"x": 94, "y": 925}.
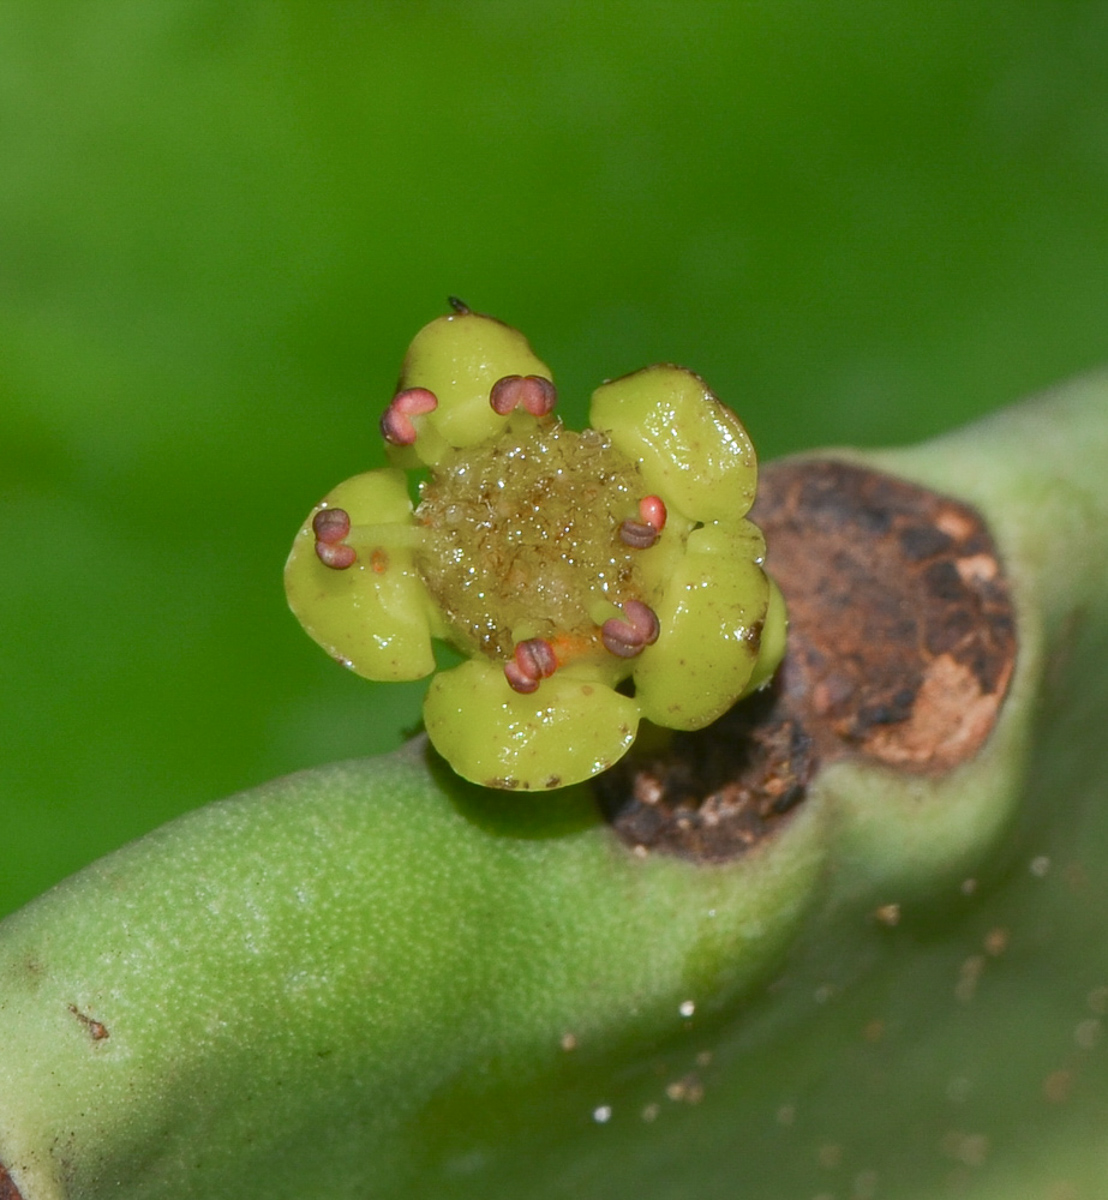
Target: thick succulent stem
{"x": 374, "y": 980}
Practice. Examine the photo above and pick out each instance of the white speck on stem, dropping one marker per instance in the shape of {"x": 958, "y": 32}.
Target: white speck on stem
{"x": 865, "y": 1185}
{"x": 603, "y": 1114}
{"x": 1087, "y": 1033}
{"x": 687, "y": 1008}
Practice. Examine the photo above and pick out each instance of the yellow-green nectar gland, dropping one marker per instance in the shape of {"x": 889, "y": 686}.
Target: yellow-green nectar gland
{"x": 528, "y": 549}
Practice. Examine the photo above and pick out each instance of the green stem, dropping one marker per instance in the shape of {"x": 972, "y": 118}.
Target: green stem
{"x": 371, "y": 979}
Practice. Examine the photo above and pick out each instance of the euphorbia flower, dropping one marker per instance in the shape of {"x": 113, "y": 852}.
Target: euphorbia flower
{"x": 593, "y": 579}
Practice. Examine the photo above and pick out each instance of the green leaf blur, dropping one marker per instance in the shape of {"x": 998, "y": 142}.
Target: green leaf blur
{"x": 222, "y": 221}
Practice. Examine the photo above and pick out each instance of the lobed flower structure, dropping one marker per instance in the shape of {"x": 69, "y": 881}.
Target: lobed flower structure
{"x": 591, "y": 579}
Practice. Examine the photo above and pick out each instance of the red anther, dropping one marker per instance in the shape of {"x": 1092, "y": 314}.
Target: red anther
{"x": 643, "y": 619}
{"x": 539, "y": 395}
{"x": 630, "y": 634}
{"x": 652, "y": 509}
{"x": 533, "y": 393}
{"x": 397, "y": 428}
{"x": 517, "y": 680}
{"x": 415, "y": 400}
{"x": 396, "y": 421}
{"x": 620, "y": 639}
{"x": 638, "y": 535}
{"x": 505, "y": 394}
{"x": 536, "y": 657}
{"x": 331, "y": 525}
{"x": 533, "y": 660}
{"x": 336, "y": 555}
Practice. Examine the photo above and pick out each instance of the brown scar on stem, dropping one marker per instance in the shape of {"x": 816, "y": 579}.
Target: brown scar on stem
{"x": 96, "y": 1029}
{"x": 901, "y": 646}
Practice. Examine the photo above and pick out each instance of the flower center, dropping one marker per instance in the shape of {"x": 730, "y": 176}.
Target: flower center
{"x": 522, "y": 539}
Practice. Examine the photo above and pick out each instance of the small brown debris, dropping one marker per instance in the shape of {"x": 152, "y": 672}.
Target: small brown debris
{"x": 830, "y": 1155}
{"x": 888, "y": 914}
{"x": 970, "y": 1149}
{"x": 1076, "y": 878}
{"x": 969, "y": 975}
{"x": 1088, "y": 1033}
{"x": 1057, "y": 1086}
{"x": 96, "y": 1030}
{"x": 996, "y": 941}
{"x": 687, "y": 1090}
{"x": 1062, "y": 1189}
{"x": 865, "y": 1185}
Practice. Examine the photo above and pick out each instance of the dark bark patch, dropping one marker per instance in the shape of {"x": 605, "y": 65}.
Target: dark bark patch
{"x": 715, "y": 793}
{"x": 901, "y": 647}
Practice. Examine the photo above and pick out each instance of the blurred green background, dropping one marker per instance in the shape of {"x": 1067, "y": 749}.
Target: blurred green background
{"x": 221, "y": 221}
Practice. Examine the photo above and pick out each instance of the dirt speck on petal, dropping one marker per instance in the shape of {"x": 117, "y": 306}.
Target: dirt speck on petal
{"x": 96, "y": 1029}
